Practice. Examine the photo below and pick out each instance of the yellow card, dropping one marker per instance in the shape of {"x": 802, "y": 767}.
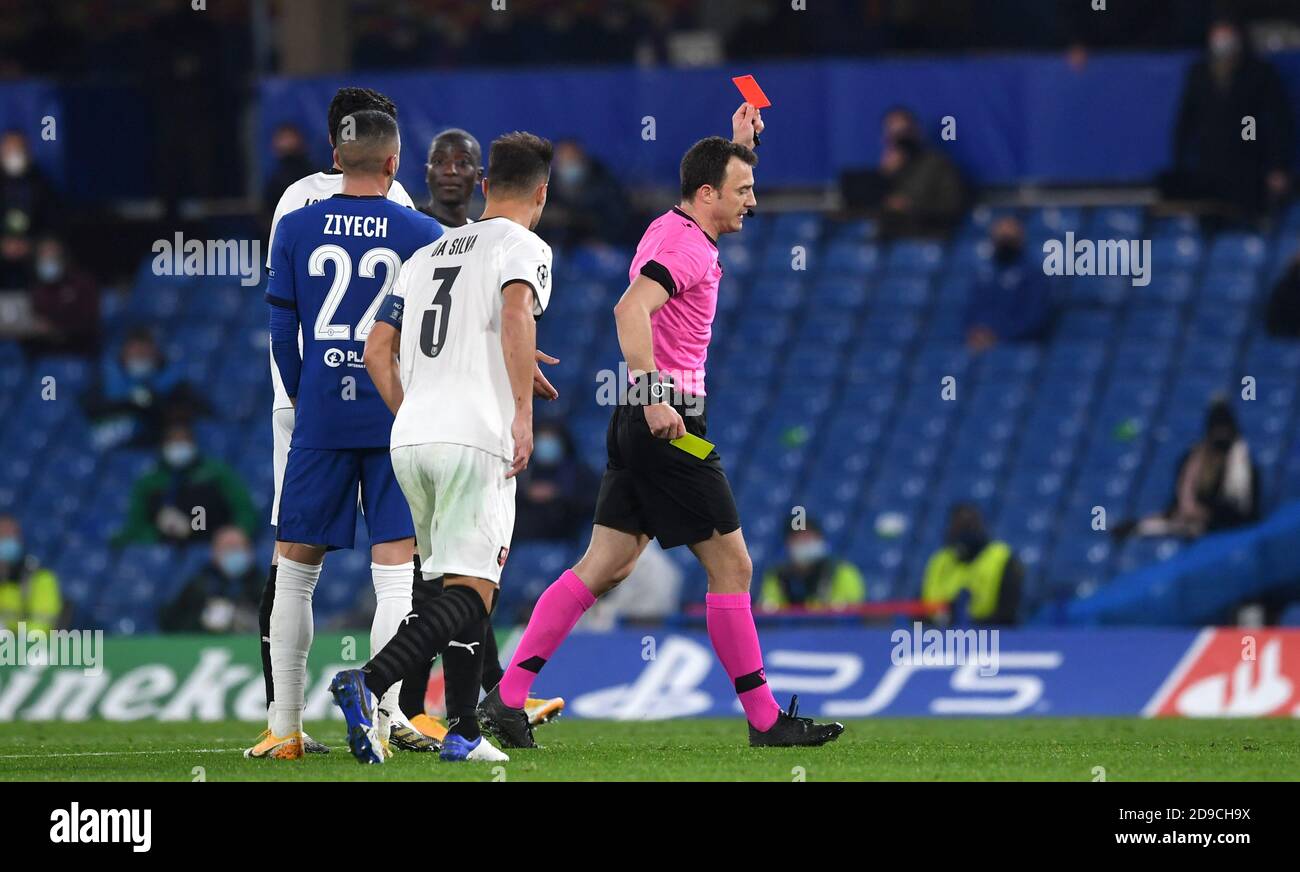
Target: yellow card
{"x": 693, "y": 445}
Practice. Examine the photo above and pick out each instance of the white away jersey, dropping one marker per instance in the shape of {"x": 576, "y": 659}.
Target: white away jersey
{"x": 304, "y": 192}
{"x": 453, "y": 370}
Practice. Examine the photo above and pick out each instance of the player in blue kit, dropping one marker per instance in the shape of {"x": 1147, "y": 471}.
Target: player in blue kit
{"x": 332, "y": 264}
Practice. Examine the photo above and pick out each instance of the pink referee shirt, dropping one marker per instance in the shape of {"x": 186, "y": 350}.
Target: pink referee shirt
{"x": 680, "y": 256}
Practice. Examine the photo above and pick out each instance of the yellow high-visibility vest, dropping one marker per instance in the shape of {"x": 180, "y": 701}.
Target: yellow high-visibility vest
{"x": 946, "y": 577}
{"x": 37, "y": 602}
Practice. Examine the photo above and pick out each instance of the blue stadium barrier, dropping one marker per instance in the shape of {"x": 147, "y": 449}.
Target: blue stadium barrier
{"x": 1017, "y": 118}
{"x": 1201, "y": 584}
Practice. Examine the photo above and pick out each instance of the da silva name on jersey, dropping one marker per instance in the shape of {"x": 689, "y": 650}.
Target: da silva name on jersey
{"x": 459, "y": 245}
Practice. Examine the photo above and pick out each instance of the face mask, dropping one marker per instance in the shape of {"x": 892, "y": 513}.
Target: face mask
{"x": 808, "y": 551}
{"x": 49, "y": 269}
{"x": 1222, "y": 47}
{"x": 909, "y": 144}
{"x": 235, "y": 563}
{"x": 571, "y": 173}
{"x": 1007, "y": 253}
{"x": 15, "y": 163}
{"x": 967, "y": 543}
{"x": 11, "y": 548}
{"x": 139, "y": 367}
{"x": 548, "y": 450}
{"x": 178, "y": 454}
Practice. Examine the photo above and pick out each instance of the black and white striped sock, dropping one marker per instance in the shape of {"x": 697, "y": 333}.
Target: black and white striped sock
{"x": 423, "y": 634}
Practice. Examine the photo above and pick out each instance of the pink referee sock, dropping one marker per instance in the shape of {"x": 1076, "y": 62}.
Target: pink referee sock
{"x": 734, "y": 638}
{"x": 557, "y": 610}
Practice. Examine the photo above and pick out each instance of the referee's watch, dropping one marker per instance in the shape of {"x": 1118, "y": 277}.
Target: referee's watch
{"x": 656, "y": 388}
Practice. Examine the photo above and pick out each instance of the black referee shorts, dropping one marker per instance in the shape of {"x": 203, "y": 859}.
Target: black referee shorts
{"x": 654, "y": 488}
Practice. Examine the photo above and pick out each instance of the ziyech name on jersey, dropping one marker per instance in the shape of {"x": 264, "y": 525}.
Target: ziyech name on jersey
{"x": 355, "y": 225}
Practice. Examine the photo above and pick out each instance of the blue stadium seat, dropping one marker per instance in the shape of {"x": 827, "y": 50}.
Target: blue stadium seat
{"x": 781, "y": 292}
{"x": 1232, "y": 251}
{"x": 1053, "y": 221}
{"x": 1142, "y": 551}
{"x": 880, "y": 562}
{"x": 858, "y": 229}
{"x": 1081, "y": 561}
{"x": 902, "y": 291}
{"x": 915, "y": 257}
{"x": 797, "y": 226}
{"x": 1170, "y": 286}
{"x": 1115, "y": 222}
{"x": 843, "y": 291}
{"x": 599, "y": 262}
{"x": 981, "y": 218}
{"x": 850, "y": 257}
{"x": 1234, "y": 286}
{"x": 1181, "y": 251}
{"x": 970, "y": 255}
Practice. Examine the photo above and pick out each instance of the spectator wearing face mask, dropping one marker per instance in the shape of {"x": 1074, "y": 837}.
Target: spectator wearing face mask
{"x": 223, "y": 597}
{"x": 138, "y": 392}
{"x": 292, "y": 162}
{"x": 812, "y": 577}
{"x": 29, "y": 592}
{"x": 1215, "y": 488}
{"x": 923, "y": 193}
{"x": 584, "y": 201}
{"x": 973, "y": 578}
{"x": 1212, "y": 160}
{"x": 64, "y": 304}
{"x": 556, "y": 497}
{"x": 1010, "y": 300}
{"x": 166, "y": 500}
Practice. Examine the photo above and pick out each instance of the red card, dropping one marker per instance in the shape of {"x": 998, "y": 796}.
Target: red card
{"x": 752, "y": 93}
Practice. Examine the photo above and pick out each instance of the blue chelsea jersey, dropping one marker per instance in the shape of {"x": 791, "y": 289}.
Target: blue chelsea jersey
{"x": 333, "y": 262}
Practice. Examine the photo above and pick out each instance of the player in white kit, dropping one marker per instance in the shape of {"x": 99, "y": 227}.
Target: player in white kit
{"x": 454, "y": 172}
{"x": 458, "y": 376}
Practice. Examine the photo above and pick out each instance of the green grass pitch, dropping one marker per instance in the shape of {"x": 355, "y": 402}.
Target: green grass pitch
{"x": 689, "y": 750}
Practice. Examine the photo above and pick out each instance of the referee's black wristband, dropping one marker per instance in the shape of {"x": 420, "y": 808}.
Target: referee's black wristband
{"x": 650, "y": 388}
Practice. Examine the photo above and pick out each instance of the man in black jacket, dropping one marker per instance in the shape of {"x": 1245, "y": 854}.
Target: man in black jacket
{"x": 1219, "y": 154}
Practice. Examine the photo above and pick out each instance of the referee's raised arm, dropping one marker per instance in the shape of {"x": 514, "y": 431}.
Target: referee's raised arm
{"x": 746, "y": 125}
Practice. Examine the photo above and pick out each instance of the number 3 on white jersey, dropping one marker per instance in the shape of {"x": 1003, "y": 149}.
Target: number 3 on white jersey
{"x": 342, "y": 277}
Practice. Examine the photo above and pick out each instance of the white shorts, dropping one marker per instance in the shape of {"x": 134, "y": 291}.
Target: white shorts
{"x": 463, "y": 507}
{"x": 281, "y": 435}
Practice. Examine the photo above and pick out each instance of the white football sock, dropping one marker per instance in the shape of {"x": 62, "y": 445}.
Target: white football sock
{"x": 291, "y": 635}
{"x": 392, "y": 603}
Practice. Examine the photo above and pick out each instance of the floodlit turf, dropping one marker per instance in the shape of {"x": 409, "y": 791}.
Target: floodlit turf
{"x": 887, "y": 749}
